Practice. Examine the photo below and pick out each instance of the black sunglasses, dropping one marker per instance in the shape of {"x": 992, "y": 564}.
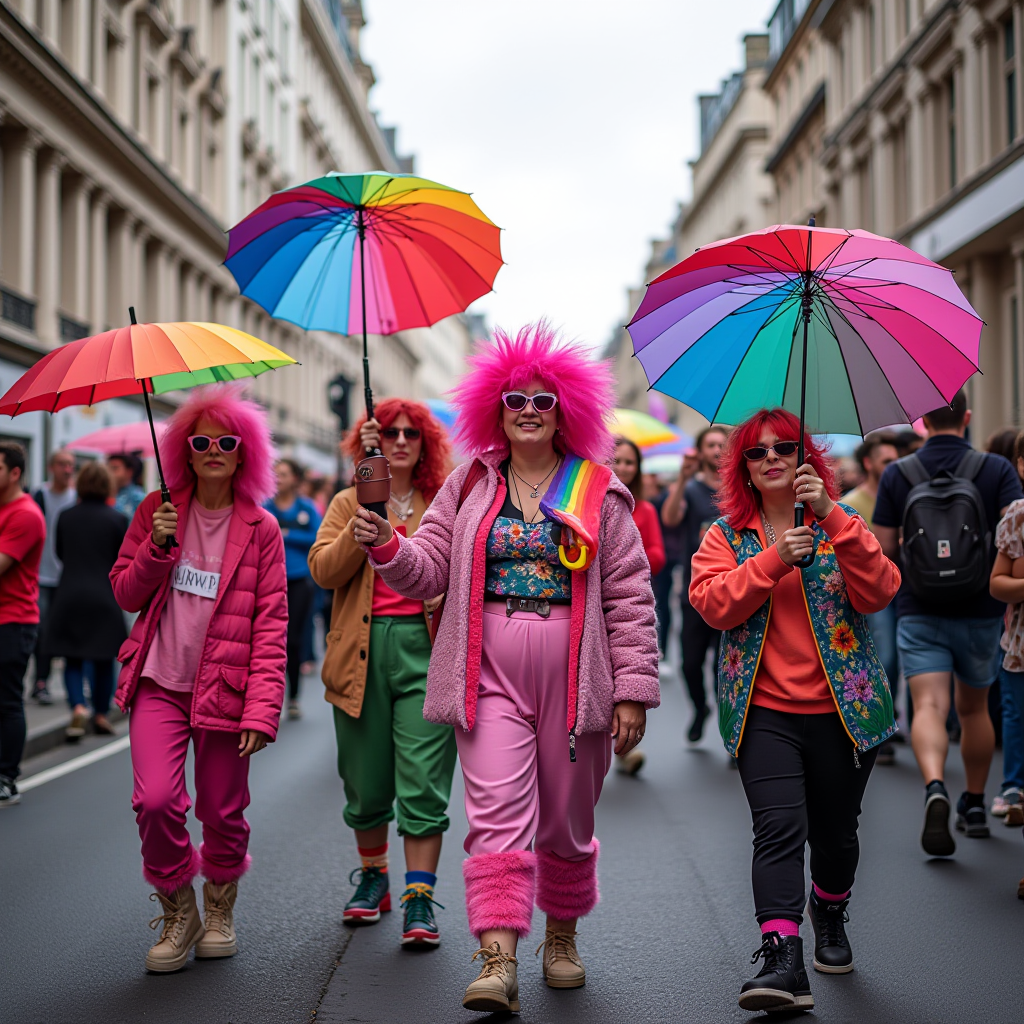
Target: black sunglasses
{"x": 391, "y": 433}
{"x": 781, "y": 448}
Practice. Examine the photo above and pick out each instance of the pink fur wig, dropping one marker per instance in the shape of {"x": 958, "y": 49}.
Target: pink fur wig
{"x": 583, "y": 386}
{"x": 224, "y": 404}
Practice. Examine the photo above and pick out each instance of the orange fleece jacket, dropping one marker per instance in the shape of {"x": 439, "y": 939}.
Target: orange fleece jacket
{"x": 790, "y": 676}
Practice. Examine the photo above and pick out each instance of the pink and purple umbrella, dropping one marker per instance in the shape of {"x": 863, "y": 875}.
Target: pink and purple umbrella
{"x": 889, "y": 335}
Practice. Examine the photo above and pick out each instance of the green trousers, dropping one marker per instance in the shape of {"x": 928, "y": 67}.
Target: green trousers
{"x": 389, "y": 751}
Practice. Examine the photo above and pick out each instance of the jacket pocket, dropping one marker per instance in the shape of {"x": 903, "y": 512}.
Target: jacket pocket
{"x": 128, "y": 650}
{"x": 231, "y": 691}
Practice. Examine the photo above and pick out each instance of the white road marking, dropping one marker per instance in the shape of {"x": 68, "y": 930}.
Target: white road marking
{"x": 74, "y": 764}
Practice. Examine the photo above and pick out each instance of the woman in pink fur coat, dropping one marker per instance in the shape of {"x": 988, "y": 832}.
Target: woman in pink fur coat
{"x": 546, "y": 650}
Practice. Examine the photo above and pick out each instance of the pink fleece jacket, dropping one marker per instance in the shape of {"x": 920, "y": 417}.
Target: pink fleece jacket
{"x": 240, "y": 681}
{"x": 613, "y": 652}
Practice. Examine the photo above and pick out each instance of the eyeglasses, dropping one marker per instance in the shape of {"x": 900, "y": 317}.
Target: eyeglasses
{"x": 411, "y": 433}
{"x": 515, "y": 401}
{"x": 226, "y": 443}
{"x": 781, "y": 448}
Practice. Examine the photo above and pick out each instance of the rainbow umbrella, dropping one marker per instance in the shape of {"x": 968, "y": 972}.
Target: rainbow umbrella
{"x": 425, "y": 251}
{"x": 850, "y": 330}
{"x": 643, "y": 430}
{"x": 141, "y": 358}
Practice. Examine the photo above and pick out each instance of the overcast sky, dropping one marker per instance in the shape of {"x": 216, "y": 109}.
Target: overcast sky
{"x": 570, "y": 121}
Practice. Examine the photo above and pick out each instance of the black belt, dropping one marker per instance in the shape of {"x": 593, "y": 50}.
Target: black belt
{"x": 541, "y": 606}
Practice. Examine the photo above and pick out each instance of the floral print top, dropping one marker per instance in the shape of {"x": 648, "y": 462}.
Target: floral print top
{"x": 1010, "y": 542}
{"x": 522, "y": 559}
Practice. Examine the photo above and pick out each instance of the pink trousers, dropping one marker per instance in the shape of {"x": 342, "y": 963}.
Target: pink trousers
{"x": 160, "y": 732}
{"x": 522, "y": 790}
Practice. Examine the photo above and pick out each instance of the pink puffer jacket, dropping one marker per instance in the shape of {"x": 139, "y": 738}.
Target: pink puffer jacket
{"x": 240, "y": 681}
{"x": 613, "y": 652}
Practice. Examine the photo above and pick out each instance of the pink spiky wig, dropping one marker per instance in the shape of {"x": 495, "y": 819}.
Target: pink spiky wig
{"x": 224, "y": 404}
{"x": 584, "y": 388}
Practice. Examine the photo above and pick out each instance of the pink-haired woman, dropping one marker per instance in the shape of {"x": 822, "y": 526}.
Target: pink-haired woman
{"x": 546, "y": 646}
{"x": 205, "y": 661}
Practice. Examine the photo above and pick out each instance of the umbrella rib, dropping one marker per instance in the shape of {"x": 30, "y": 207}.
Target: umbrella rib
{"x": 874, "y": 359}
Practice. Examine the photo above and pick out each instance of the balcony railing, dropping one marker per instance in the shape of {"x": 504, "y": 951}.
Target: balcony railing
{"x": 72, "y": 330}
{"x": 18, "y": 310}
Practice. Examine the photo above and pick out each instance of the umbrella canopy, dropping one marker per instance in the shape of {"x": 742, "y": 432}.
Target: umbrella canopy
{"x": 889, "y": 334}
{"x": 125, "y": 437}
{"x": 115, "y": 364}
{"x": 428, "y": 251}
{"x": 643, "y": 430}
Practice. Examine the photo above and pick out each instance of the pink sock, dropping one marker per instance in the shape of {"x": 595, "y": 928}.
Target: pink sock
{"x": 781, "y": 925}
{"x": 831, "y": 897}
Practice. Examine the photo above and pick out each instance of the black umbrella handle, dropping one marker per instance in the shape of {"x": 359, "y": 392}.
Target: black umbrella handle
{"x": 798, "y": 520}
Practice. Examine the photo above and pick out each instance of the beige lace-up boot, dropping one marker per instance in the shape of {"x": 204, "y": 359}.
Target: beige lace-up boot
{"x": 182, "y": 928}
{"x": 563, "y": 967}
{"x": 219, "y": 921}
{"x": 496, "y": 988}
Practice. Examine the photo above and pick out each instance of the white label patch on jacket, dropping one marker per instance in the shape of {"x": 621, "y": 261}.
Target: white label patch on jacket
{"x": 192, "y": 581}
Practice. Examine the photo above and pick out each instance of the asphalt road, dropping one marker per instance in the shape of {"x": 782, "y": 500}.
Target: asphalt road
{"x": 935, "y": 942}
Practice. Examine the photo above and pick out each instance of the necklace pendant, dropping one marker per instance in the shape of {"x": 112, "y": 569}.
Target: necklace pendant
{"x": 533, "y": 494}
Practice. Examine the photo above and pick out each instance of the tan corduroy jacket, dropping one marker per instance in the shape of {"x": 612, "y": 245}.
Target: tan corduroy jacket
{"x": 338, "y": 563}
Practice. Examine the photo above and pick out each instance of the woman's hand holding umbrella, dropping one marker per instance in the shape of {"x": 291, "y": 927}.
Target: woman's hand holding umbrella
{"x": 165, "y": 524}
{"x": 810, "y": 489}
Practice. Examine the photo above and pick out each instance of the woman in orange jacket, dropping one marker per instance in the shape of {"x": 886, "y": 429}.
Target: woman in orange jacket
{"x": 803, "y": 699}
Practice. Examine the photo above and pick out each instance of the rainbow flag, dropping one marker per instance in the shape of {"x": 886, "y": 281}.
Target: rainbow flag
{"x": 574, "y": 500}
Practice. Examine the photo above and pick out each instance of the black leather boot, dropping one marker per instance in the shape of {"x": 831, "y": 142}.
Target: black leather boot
{"x": 832, "y": 953}
{"x": 782, "y": 982}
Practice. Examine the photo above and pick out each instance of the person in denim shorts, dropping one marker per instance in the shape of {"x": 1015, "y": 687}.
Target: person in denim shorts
{"x": 933, "y": 643}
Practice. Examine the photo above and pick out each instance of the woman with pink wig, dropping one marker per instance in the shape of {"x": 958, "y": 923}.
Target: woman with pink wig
{"x": 546, "y": 648}
{"x": 205, "y": 661}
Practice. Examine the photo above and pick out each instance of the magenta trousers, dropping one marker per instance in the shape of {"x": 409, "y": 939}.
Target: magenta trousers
{"x": 530, "y": 809}
{"x": 160, "y": 731}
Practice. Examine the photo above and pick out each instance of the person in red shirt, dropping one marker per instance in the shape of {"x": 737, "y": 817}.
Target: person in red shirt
{"x": 22, "y": 533}
{"x": 804, "y": 702}
{"x": 626, "y": 464}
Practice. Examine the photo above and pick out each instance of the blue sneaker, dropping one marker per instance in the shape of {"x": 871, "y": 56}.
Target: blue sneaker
{"x": 371, "y": 897}
{"x": 420, "y": 927}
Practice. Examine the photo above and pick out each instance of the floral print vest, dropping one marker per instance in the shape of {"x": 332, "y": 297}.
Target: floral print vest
{"x": 855, "y": 675}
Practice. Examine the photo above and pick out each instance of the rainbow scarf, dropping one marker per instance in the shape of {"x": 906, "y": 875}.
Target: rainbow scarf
{"x": 574, "y": 499}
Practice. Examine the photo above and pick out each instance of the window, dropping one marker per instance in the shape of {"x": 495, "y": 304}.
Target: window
{"x": 901, "y": 210}
{"x": 908, "y": 18}
{"x": 242, "y": 62}
{"x": 872, "y": 41}
{"x": 951, "y": 129}
{"x": 1010, "y": 76}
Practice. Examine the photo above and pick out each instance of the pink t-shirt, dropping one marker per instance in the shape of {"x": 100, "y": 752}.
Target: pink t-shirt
{"x": 386, "y": 601}
{"x": 173, "y": 658}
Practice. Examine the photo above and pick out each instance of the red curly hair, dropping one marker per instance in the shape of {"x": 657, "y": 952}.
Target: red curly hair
{"x": 737, "y": 501}
{"x": 436, "y": 459}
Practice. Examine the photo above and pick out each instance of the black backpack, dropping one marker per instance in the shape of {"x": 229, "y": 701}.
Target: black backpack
{"x": 946, "y": 537}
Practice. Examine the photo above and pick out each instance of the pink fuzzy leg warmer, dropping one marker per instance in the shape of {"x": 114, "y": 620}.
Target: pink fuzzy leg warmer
{"x": 175, "y": 882}
{"x": 499, "y": 891}
{"x": 567, "y": 889}
{"x": 220, "y": 875}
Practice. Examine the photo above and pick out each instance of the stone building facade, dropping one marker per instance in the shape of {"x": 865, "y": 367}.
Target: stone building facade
{"x": 131, "y": 136}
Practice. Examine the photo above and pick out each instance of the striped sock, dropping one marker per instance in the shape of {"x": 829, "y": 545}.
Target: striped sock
{"x": 420, "y": 878}
{"x": 375, "y": 857}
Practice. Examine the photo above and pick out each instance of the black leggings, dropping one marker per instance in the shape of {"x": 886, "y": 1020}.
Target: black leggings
{"x": 803, "y": 786}
{"x": 698, "y": 636}
{"x": 300, "y": 607}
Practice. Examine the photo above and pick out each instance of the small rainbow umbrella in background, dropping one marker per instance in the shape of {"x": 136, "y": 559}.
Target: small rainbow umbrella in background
{"x": 372, "y": 252}
{"x": 643, "y": 430}
{"x": 141, "y": 358}
{"x": 847, "y": 329}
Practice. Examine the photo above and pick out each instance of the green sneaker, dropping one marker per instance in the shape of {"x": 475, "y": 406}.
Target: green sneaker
{"x": 420, "y": 928}
{"x": 371, "y": 897}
